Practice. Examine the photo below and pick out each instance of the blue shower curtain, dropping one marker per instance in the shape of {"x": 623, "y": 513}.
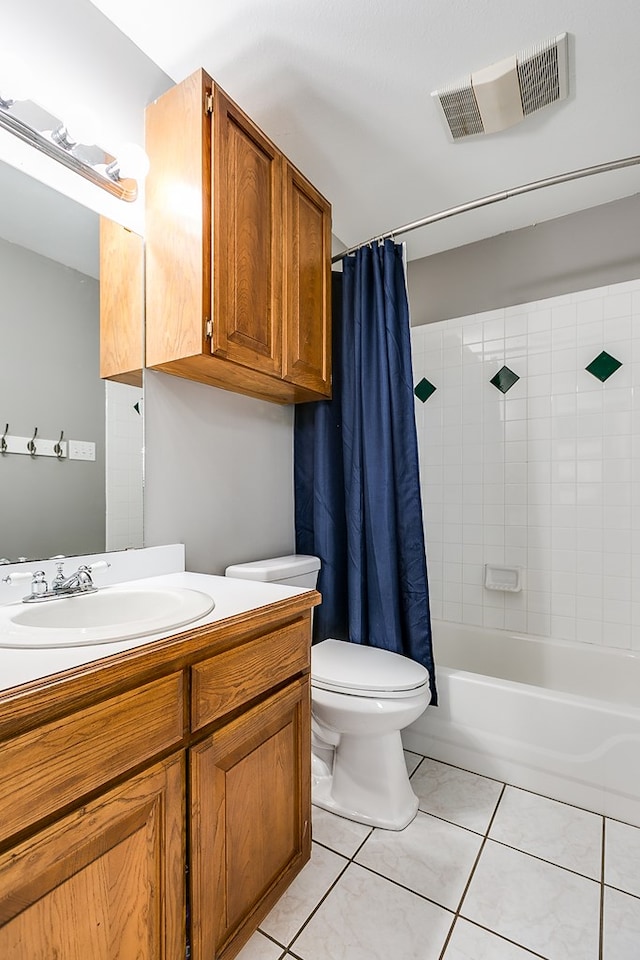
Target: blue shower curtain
{"x": 357, "y": 487}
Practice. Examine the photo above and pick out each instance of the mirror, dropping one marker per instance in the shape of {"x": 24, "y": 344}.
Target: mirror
{"x": 90, "y": 499}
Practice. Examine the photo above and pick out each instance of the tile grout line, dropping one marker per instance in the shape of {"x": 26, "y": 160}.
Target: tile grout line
{"x": 472, "y": 872}
{"x": 601, "y": 925}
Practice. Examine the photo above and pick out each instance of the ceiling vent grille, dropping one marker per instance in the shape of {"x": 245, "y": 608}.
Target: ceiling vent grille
{"x": 461, "y": 109}
{"x": 542, "y": 73}
{"x": 502, "y": 94}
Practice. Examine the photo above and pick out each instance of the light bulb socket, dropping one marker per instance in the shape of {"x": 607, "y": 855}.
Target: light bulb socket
{"x": 63, "y": 138}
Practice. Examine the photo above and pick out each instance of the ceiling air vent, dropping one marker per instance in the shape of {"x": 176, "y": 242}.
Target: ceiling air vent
{"x": 501, "y": 95}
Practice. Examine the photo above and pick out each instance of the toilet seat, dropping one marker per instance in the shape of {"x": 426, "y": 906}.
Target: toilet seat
{"x": 360, "y": 671}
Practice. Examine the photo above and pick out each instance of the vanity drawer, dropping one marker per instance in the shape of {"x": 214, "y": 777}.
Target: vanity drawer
{"x": 228, "y": 680}
{"x": 52, "y": 766}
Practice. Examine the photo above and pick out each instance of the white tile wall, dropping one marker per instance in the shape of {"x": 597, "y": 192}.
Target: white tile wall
{"x": 546, "y": 476}
{"x": 124, "y": 456}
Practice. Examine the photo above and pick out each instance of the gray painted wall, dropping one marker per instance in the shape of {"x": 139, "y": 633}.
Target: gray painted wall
{"x": 588, "y": 249}
{"x": 49, "y": 378}
{"x": 218, "y": 473}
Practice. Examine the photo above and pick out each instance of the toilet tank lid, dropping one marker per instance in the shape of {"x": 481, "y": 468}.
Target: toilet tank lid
{"x": 275, "y": 568}
{"x": 355, "y": 666}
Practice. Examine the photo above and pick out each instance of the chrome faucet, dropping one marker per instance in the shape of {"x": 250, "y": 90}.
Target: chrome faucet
{"x": 78, "y": 583}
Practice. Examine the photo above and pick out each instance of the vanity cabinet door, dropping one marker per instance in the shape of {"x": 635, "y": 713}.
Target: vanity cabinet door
{"x": 250, "y": 819}
{"x": 106, "y": 882}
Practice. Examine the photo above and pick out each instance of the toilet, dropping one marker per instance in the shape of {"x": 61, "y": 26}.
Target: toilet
{"x": 361, "y": 698}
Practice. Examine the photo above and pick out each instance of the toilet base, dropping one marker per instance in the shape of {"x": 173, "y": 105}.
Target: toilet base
{"x": 369, "y": 783}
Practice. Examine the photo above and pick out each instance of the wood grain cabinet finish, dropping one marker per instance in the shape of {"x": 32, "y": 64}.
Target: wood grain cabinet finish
{"x": 227, "y": 681}
{"x": 238, "y": 252}
{"x": 57, "y": 763}
{"x": 121, "y": 304}
{"x": 106, "y": 882}
{"x": 250, "y": 815}
{"x": 97, "y": 764}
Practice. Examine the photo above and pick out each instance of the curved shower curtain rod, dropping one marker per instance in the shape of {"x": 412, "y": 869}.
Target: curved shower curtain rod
{"x": 494, "y": 198}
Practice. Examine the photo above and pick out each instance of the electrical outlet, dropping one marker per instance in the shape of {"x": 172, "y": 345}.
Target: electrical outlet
{"x": 81, "y": 450}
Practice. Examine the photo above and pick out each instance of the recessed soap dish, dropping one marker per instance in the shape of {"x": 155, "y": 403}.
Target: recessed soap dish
{"x": 502, "y": 578}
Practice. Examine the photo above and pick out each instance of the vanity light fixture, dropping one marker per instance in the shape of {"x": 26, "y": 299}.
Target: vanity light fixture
{"x": 74, "y": 146}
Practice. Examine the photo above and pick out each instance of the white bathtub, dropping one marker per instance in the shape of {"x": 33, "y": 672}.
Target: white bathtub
{"x": 558, "y": 718}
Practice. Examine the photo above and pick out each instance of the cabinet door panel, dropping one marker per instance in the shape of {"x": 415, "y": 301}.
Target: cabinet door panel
{"x": 223, "y": 683}
{"x": 247, "y": 210}
{"x": 57, "y": 763}
{"x": 307, "y": 272}
{"x": 250, "y": 805}
{"x": 106, "y": 882}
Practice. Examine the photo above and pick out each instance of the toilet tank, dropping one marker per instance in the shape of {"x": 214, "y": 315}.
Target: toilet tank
{"x": 296, "y": 570}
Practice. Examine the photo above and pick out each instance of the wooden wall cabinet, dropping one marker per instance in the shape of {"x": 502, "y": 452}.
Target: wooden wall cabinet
{"x": 121, "y": 304}
{"x": 97, "y": 766}
{"x": 238, "y": 253}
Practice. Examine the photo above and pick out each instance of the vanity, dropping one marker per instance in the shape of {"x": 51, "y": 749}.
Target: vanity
{"x": 156, "y": 792}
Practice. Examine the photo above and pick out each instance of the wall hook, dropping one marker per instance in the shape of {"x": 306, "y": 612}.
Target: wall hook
{"x": 57, "y": 447}
{"x": 31, "y": 446}
{"x": 3, "y": 439}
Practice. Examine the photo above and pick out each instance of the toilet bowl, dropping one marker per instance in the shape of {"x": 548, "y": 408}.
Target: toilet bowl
{"x": 361, "y": 698}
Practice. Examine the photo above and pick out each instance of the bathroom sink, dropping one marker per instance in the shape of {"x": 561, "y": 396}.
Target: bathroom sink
{"x": 111, "y": 614}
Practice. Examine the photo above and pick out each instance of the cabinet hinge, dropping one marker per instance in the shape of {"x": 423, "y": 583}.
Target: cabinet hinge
{"x": 208, "y": 328}
{"x": 208, "y": 103}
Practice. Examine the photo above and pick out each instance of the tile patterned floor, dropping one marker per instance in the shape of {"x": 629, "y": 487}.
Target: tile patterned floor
{"x": 486, "y": 871}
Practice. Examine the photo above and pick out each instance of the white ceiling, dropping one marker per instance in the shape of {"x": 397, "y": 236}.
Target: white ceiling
{"x": 343, "y": 87}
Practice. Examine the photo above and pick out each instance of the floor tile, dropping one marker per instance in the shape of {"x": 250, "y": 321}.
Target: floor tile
{"x": 456, "y": 795}
{"x": 306, "y": 891}
{"x": 535, "y": 904}
{"x": 343, "y": 836}
{"x": 366, "y": 917}
{"x": 469, "y": 942}
{"x": 430, "y": 856}
{"x": 554, "y": 831}
{"x": 622, "y": 856}
{"x": 412, "y": 760}
{"x": 260, "y": 947}
{"x": 621, "y": 926}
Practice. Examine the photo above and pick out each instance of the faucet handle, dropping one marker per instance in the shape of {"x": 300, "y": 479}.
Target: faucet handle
{"x": 37, "y": 577}
{"x": 98, "y": 565}
{"x": 21, "y": 575}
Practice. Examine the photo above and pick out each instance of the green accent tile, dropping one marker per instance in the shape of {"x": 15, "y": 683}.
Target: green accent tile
{"x": 603, "y": 366}
{"x": 424, "y": 389}
{"x": 504, "y": 379}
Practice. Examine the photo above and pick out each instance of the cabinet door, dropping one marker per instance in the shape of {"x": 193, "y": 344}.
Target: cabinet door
{"x": 247, "y": 244}
{"x": 307, "y": 282}
{"x": 106, "y": 882}
{"x": 250, "y": 810}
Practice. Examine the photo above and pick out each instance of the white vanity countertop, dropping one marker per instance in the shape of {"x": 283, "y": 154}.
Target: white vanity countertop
{"x": 231, "y": 597}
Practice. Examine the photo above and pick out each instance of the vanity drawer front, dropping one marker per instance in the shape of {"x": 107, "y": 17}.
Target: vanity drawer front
{"x": 54, "y": 765}
{"x": 228, "y": 680}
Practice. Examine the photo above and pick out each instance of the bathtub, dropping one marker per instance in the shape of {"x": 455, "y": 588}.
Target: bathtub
{"x": 558, "y": 718}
